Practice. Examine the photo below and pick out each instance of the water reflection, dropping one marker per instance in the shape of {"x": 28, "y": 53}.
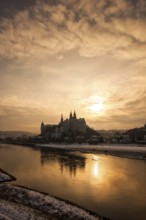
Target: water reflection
{"x": 73, "y": 161}
{"x": 95, "y": 166}
{"x": 104, "y": 184}
{"x": 96, "y": 170}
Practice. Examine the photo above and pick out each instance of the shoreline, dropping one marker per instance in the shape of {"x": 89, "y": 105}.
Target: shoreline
{"x": 130, "y": 151}
{"x": 6, "y": 177}
{"x": 23, "y": 199}
{"x": 23, "y": 202}
{"x": 124, "y": 151}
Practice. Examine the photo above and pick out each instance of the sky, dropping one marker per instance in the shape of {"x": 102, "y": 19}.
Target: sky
{"x": 58, "y": 56}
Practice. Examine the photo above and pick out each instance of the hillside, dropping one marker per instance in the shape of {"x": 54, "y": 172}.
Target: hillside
{"x": 5, "y": 134}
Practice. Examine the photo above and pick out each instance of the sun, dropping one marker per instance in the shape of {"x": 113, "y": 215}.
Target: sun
{"x": 96, "y": 106}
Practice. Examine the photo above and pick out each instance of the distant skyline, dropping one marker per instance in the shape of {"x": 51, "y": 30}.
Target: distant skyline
{"x": 85, "y": 55}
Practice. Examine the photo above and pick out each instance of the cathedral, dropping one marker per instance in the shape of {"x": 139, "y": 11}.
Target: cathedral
{"x": 71, "y": 125}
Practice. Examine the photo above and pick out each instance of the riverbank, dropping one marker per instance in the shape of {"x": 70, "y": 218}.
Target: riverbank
{"x": 131, "y": 151}
{"x": 127, "y": 151}
{"x": 5, "y": 177}
{"x": 17, "y": 202}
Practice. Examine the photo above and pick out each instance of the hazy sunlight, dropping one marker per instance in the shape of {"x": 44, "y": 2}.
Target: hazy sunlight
{"x": 96, "y": 105}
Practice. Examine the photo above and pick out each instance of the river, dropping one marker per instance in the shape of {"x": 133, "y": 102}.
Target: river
{"x": 111, "y": 186}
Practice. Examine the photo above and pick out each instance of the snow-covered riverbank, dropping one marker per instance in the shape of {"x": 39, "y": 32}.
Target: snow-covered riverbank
{"x": 5, "y": 177}
{"x": 134, "y": 151}
{"x": 22, "y": 203}
{"x": 129, "y": 151}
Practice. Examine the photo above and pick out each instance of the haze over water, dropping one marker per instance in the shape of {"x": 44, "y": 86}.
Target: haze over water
{"x": 111, "y": 186}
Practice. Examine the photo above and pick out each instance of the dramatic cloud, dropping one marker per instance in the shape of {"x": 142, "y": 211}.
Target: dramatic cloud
{"x": 93, "y": 28}
{"x": 57, "y": 54}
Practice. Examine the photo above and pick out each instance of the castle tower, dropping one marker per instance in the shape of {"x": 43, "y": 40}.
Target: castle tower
{"x": 70, "y": 116}
{"x": 61, "y": 118}
{"x": 42, "y": 127}
{"x": 74, "y": 115}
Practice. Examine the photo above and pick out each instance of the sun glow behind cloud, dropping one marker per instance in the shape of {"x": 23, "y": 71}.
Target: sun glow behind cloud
{"x": 96, "y": 108}
{"x": 63, "y": 55}
{"x": 96, "y": 105}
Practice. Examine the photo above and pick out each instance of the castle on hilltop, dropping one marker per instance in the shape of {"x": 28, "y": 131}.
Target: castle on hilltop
{"x": 71, "y": 125}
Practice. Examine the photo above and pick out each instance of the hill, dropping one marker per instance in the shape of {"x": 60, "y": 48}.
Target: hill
{"x": 5, "y": 134}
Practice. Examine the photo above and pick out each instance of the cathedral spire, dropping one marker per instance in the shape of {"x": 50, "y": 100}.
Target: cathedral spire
{"x": 74, "y": 115}
{"x": 61, "y": 118}
{"x": 70, "y": 116}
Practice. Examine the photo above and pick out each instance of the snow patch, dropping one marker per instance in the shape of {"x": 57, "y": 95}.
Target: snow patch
{"x": 129, "y": 151}
{"x": 45, "y": 204}
{"x": 4, "y": 177}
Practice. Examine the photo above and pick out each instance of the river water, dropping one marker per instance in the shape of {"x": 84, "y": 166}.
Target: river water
{"x": 111, "y": 186}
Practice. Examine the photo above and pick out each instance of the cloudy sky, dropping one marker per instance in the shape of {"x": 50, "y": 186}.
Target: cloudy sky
{"x": 61, "y": 55}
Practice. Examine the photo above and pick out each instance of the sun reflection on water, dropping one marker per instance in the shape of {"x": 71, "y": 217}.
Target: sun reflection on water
{"x": 98, "y": 182}
{"x": 96, "y": 170}
{"x": 95, "y": 166}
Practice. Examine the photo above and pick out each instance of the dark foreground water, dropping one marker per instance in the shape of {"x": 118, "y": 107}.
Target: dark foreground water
{"x": 111, "y": 186}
